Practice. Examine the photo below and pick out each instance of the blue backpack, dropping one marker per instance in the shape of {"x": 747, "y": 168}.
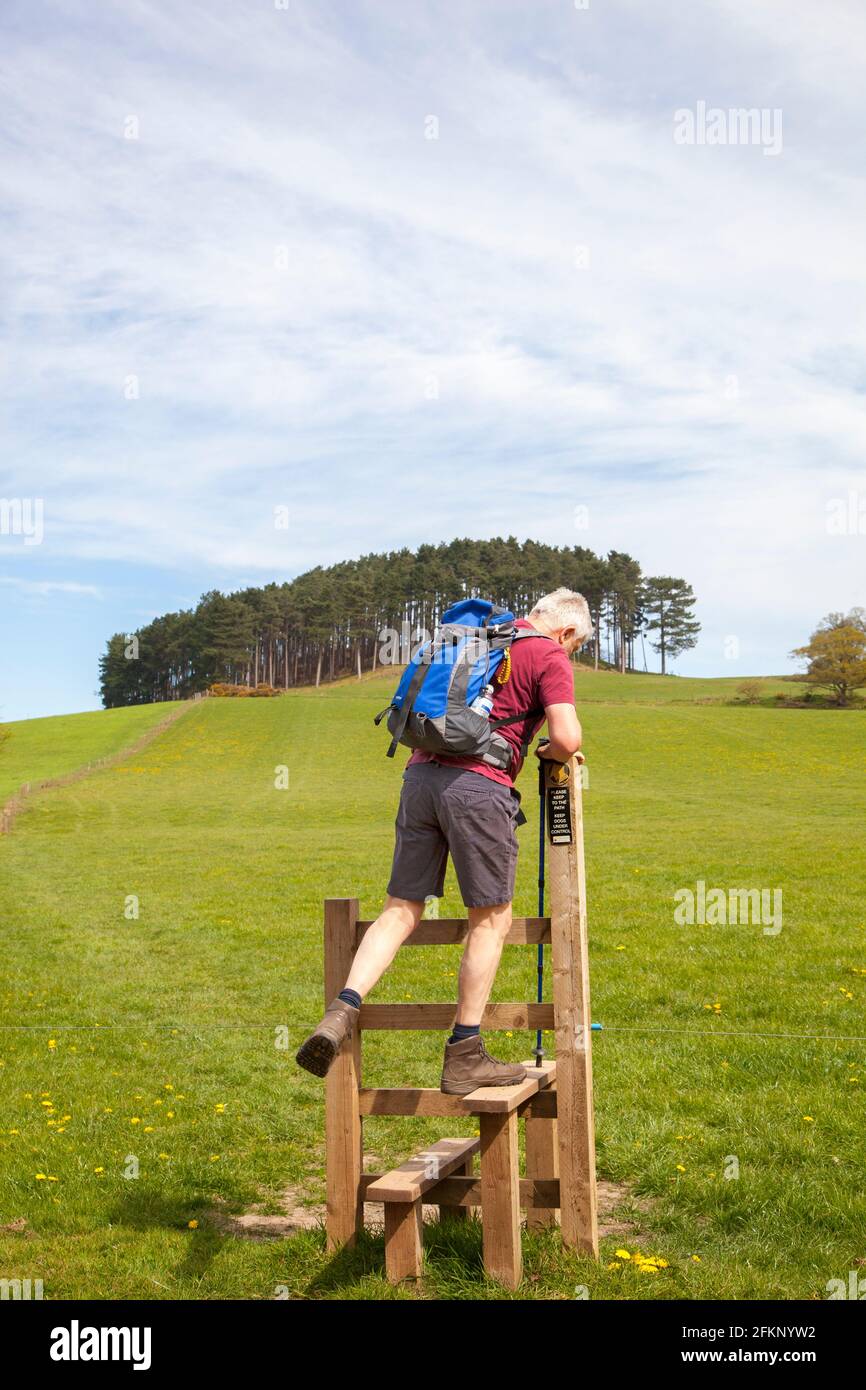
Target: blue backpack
{"x": 431, "y": 707}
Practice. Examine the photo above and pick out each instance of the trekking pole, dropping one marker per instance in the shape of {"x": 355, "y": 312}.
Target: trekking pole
{"x": 539, "y": 1050}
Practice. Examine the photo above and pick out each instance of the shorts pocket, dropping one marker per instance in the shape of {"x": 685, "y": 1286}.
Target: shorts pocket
{"x": 479, "y": 806}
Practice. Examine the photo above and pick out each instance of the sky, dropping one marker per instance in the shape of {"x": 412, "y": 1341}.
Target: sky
{"x": 418, "y": 271}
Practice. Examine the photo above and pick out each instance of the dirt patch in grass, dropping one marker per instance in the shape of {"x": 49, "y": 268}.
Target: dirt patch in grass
{"x": 610, "y": 1196}
{"x": 297, "y": 1216}
{"x": 18, "y": 1227}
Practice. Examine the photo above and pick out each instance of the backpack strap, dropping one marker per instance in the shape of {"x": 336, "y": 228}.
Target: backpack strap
{"x": 529, "y": 632}
{"x": 409, "y": 699}
{"x": 515, "y": 718}
{"x": 517, "y": 635}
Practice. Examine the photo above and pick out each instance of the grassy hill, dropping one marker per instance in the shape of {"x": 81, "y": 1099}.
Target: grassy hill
{"x": 60, "y": 744}
{"x": 147, "y": 1043}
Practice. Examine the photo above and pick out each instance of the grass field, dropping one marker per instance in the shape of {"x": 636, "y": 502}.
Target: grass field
{"x": 42, "y": 748}
{"x": 147, "y": 1044}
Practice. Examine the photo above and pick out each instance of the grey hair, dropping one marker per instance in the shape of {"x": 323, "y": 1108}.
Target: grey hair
{"x": 564, "y": 608}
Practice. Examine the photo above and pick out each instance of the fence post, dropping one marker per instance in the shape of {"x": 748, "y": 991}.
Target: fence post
{"x": 343, "y": 1123}
{"x": 571, "y": 1007}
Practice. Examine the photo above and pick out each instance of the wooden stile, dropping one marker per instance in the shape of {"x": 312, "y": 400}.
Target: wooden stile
{"x": 554, "y": 1101}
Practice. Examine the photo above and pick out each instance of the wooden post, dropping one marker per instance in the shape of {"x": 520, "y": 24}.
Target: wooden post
{"x": 343, "y": 1123}
{"x": 404, "y": 1244}
{"x": 542, "y": 1161}
{"x": 570, "y": 967}
{"x": 500, "y": 1197}
{"x": 457, "y": 1215}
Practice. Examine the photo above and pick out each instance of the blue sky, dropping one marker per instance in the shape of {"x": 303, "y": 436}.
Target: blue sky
{"x": 241, "y": 275}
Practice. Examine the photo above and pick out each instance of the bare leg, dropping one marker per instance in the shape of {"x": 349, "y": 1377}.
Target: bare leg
{"x": 488, "y": 928}
{"x": 382, "y": 940}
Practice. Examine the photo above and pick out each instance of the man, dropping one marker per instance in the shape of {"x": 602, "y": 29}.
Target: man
{"x": 463, "y": 806}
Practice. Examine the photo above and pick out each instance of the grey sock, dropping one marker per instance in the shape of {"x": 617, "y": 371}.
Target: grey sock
{"x": 464, "y": 1030}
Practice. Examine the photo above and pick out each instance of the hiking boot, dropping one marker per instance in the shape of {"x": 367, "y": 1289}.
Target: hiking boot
{"x": 469, "y": 1065}
{"x": 318, "y": 1051}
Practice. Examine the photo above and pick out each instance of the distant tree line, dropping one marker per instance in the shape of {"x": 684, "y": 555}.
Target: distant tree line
{"x": 327, "y": 623}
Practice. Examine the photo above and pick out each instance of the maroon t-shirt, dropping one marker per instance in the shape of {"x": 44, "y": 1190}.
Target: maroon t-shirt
{"x": 541, "y": 675}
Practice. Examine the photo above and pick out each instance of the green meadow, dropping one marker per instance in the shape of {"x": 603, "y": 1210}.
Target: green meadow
{"x": 40, "y": 748}
{"x": 162, "y": 928}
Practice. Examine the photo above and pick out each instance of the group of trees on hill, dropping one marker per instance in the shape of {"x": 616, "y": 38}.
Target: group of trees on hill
{"x": 330, "y": 621}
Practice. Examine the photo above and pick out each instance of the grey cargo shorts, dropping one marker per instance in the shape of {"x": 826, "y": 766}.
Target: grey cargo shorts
{"x": 445, "y": 809}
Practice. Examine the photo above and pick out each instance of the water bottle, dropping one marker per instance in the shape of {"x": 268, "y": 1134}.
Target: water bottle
{"x": 483, "y": 703}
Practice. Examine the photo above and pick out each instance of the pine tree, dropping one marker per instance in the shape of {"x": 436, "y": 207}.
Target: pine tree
{"x": 668, "y": 605}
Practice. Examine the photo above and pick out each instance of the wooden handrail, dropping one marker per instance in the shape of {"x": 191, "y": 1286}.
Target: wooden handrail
{"x": 448, "y": 931}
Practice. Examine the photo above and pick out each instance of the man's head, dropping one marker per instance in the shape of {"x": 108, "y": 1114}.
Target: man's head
{"x": 564, "y": 616}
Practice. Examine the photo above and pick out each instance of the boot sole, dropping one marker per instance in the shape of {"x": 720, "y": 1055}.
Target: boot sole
{"x": 465, "y": 1090}
{"x": 317, "y": 1054}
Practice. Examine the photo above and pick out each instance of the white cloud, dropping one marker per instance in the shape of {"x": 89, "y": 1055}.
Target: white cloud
{"x": 44, "y": 587}
{"x": 696, "y": 384}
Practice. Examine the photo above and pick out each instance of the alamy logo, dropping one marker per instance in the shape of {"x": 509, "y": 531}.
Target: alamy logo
{"x": 855, "y": 1288}
{"x": 399, "y": 648}
{"x": 22, "y": 1289}
{"x": 22, "y": 516}
{"x": 846, "y": 516}
{"x": 719, "y": 907}
{"x": 737, "y": 126}
{"x": 77, "y": 1343}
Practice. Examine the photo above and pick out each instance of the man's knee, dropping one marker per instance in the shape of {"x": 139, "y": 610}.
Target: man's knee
{"x": 495, "y": 918}
{"x": 409, "y": 910}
